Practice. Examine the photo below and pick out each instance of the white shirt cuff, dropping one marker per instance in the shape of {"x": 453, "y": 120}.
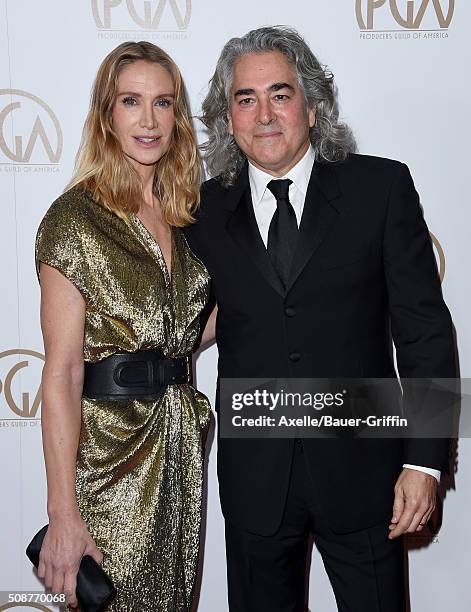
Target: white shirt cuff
{"x": 435, "y": 473}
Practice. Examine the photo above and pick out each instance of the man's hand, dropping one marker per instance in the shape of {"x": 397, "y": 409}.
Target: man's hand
{"x": 414, "y": 502}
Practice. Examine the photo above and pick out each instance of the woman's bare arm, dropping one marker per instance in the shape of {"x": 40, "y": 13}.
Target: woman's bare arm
{"x": 62, "y": 323}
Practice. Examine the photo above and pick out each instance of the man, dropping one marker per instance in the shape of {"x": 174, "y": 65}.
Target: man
{"x": 317, "y": 256}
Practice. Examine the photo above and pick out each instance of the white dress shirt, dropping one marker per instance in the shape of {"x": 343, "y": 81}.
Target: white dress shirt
{"x": 264, "y": 206}
{"x": 264, "y": 202}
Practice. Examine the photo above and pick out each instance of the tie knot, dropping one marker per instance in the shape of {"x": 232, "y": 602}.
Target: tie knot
{"x": 280, "y": 188}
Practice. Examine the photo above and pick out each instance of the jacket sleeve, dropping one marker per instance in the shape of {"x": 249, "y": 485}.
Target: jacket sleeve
{"x": 421, "y": 325}
{"x": 193, "y": 235}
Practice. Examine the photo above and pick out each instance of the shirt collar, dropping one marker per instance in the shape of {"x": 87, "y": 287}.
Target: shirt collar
{"x": 299, "y": 174}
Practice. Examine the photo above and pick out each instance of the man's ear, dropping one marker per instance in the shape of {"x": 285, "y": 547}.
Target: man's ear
{"x": 312, "y": 116}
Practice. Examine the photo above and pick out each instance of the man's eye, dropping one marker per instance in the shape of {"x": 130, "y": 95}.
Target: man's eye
{"x": 129, "y": 101}
{"x": 246, "y": 101}
{"x": 281, "y": 97}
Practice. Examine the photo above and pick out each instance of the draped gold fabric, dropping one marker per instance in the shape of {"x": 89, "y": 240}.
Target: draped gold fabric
{"x": 139, "y": 463}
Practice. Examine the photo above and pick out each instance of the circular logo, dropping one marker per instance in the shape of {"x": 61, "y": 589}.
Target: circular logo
{"x": 29, "y": 130}
{"x": 20, "y": 381}
{"x": 440, "y": 255}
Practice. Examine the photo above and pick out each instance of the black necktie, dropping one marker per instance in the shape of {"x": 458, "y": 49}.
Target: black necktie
{"x": 283, "y": 231}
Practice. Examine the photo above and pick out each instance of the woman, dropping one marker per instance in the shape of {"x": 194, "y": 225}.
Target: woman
{"x": 122, "y": 292}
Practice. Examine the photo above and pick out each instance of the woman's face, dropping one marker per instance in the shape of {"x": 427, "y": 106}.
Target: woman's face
{"x": 143, "y": 114}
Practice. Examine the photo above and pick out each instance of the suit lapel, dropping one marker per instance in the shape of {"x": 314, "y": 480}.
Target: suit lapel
{"x": 319, "y": 214}
{"x": 242, "y": 227}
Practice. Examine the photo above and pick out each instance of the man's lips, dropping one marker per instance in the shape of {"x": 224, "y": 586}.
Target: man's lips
{"x": 268, "y": 135}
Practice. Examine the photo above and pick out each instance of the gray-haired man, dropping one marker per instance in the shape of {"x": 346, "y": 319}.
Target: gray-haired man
{"x": 315, "y": 254}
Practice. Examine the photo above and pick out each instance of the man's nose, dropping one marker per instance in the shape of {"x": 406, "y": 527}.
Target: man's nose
{"x": 265, "y": 112}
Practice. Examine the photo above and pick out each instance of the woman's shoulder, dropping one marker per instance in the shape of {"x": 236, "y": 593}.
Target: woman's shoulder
{"x": 74, "y": 205}
{"x": 74, "y": 216}
{"x": 68, "y": 233}
{"x": 68, "y": 226}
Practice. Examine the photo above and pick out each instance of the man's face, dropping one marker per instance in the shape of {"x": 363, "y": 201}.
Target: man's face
{"x": 268, "y": 114}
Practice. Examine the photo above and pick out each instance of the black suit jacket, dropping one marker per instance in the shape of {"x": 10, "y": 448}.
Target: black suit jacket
{"x": 363, "y": 274}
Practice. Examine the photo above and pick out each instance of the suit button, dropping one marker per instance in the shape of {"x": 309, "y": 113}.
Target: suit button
{"x": 294, "y": 357}
{"x": 290, "y": 312}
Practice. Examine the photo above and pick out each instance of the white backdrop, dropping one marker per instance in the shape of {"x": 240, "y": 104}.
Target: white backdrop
{"x": 404, "y": 90}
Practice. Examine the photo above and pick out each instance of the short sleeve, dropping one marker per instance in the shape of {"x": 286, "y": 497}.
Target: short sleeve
{"x": 62, "y": 239}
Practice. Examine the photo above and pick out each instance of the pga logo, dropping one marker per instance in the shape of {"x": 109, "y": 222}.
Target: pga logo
{"x": 407, "y": 14}
{"x": 439, "y": 256}
{"x": 149, "y": 15}
{"x": 30, "y": 132}
{"x": 20, "y": 383}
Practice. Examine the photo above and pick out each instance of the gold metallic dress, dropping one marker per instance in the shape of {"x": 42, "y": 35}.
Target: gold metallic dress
{"x": 139, "y": 463}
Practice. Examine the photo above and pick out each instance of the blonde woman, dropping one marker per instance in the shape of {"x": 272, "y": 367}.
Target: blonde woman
{"x": 121, "y": 299}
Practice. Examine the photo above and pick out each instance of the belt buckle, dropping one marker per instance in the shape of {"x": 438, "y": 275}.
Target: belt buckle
{"x": 189, "y": 368}
{"x": 162, "y": 367}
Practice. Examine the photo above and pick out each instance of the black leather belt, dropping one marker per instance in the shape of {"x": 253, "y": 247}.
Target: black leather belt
{"x": 140, "y": 375}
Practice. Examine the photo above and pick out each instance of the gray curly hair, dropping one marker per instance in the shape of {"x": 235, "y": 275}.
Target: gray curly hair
{"x": 332, "y": 140}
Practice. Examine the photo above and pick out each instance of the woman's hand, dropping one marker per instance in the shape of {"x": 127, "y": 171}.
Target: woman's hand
{"x": 66, "y": 541}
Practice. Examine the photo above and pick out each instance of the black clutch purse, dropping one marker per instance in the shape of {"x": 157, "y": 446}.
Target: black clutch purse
{"x": 94, "y": 587}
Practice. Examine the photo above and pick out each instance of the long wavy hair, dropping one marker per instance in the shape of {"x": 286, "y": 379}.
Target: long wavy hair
{"x": 101, "y": 166}
{"x": 332, "y": 140}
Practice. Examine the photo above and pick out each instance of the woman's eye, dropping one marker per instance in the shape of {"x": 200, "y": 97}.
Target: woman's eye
{"x": 129, "y": 101}
{"x": 164, "y": 102}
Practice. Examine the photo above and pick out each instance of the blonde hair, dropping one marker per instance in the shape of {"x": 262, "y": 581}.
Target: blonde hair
{"x": 101, "y": 167}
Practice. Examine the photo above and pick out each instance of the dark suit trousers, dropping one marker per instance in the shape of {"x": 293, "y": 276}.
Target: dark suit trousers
{"x": 268, "y": 573}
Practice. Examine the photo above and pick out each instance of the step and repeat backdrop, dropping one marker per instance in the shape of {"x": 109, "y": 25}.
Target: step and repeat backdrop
{"x": 401, "y": 68}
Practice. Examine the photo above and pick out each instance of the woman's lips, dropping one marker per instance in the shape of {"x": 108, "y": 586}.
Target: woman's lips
{"x": 148, "y": 142}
